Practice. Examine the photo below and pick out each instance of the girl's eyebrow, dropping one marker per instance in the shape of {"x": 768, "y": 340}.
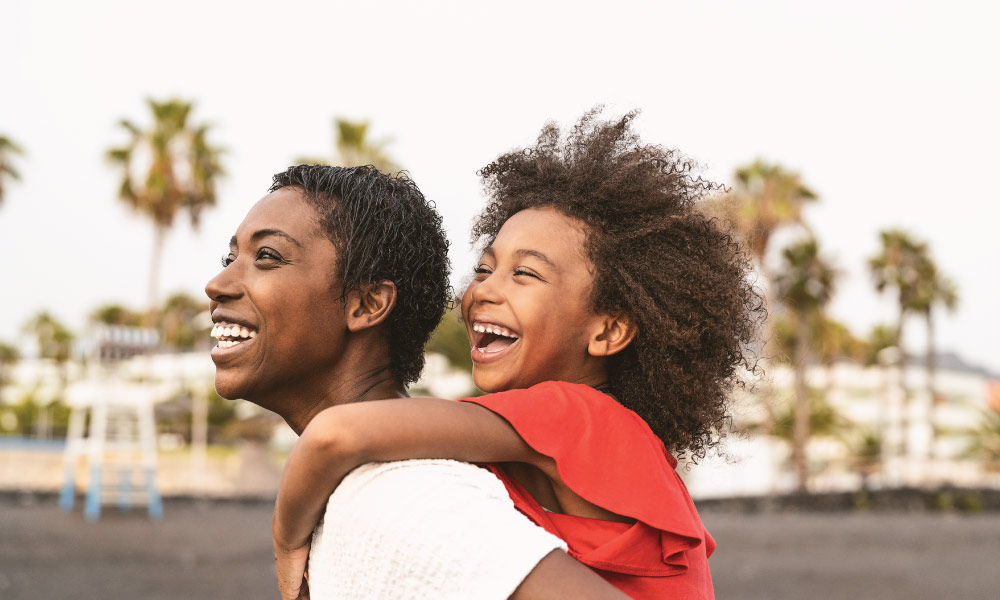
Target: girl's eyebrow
{"x": 536, "y": 254}
{"x": 525, "y": 252}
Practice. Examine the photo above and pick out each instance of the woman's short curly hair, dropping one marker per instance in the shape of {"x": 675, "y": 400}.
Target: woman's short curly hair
{"x": 384, "y": 230}
{"x": 678, "y": 275}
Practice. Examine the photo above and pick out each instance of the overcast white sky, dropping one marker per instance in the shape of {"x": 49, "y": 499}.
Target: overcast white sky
{"x": 888, "y": 109}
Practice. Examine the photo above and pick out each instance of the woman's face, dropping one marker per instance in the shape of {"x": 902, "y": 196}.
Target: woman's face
{"x": 279, "y": 321}
{"x": 527, "y": 311}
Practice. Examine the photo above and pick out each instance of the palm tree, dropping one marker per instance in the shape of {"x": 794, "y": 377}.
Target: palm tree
{"x": 933, "y": 289}
{"x": 881, "y": 339}
{"x": 8, "y": 358}
{"x": 116, "y": 314}
{"x": 451, "y": 340}
{"x": 354, "y": 149}
{"x": 55, "y": 341}
{"x": 180, "y": 324}
{"x": 985, "y": 440}
{"x": 867, "y": 455}
{"x": 8, "y": 149}
{"x": 765, "y": 198}
{"x": 178, "y": 169}
{"x": 830, "y": 339}
{"x": 805, "y": 285}
{"x": 824, "y": 421}
{"x": 899, "y": 265}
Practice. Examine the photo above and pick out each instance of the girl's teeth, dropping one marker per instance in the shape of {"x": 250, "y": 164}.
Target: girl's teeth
{"x": 494, "y": 329}
{"x": 244, "y": 333}
{"x": 253, "y": 334}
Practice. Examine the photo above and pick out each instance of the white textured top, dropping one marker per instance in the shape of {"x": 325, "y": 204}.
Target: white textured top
{"x": 423, "y": 529}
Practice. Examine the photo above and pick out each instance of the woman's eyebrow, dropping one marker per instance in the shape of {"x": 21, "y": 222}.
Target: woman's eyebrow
{"x": 263, "y": 233}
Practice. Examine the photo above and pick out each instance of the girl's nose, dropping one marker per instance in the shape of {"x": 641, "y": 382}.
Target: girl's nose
{"x": 486, "y": 290}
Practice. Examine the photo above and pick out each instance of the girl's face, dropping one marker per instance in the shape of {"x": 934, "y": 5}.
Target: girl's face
{"x": 528, "y": 311}
{"x": 278, "y": 320}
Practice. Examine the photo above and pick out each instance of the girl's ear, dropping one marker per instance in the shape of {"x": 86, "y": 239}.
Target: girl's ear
{"x": 370, "y": 305}
{"x": 615, "y": 334}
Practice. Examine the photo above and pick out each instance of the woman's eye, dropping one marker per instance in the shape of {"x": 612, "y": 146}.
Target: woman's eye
{"x": 482, "y": 271}
{"x": 227, "y": 259}
{"x": 267, "y": 254}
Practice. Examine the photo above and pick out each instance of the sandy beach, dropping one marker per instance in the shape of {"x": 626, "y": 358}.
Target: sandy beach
{"x": 221, "y": 550}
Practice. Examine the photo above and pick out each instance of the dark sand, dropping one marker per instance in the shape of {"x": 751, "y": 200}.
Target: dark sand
{"x": 222, "y": 551}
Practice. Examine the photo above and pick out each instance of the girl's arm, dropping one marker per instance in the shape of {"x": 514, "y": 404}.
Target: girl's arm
{"x": 340, "y": 438}
{"x": 559, "y": 576}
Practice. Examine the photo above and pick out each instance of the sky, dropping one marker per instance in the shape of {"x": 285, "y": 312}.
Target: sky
{"x": 888, "y": 110}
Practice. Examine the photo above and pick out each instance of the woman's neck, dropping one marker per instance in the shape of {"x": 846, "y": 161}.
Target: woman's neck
{"x": 375, "y": 384}
{"x": 363, "y": 372}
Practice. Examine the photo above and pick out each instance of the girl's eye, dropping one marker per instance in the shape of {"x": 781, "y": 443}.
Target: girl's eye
{"x": 227, "y": 259}
{"x": 480, "y": 270}
{"x": 525, "y": 272}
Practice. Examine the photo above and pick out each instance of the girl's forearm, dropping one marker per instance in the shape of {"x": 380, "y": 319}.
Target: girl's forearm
{"x": 321, "y": 458}
{"x": 343, "y": 437}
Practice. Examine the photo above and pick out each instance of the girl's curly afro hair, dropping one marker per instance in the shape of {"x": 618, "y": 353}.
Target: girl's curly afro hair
{"x": 658, "y": 260}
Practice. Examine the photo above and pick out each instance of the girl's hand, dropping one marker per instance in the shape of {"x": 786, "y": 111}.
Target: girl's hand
{"x": 292, "y": 577}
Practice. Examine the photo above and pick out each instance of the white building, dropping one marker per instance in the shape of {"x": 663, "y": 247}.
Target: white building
{"x": 870, "y": 401}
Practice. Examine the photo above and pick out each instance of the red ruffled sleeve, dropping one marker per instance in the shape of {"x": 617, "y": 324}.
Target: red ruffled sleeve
{"x": 609, "y": 456}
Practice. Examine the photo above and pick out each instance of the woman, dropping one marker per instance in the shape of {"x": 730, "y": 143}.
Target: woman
{"x": 331, "y": 287}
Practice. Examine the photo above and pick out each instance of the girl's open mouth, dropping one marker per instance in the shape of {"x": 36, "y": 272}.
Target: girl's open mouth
{"x": 491, "y": 341}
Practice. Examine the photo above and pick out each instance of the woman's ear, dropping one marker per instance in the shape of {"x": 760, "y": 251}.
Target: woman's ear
{"x": 370, "y": 305}
{"x": 614, "y": 335}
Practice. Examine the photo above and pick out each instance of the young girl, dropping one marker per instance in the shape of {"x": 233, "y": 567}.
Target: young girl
{"x": 609, "y": 319}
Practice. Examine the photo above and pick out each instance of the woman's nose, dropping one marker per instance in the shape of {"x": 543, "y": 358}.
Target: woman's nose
{"x": 224, "y": 286}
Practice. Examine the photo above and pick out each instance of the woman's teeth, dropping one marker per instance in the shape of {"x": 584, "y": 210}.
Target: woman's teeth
{"x": 237, "y": 333}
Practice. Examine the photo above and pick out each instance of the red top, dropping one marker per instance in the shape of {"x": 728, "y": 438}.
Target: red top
{"x": 609, "y": 456}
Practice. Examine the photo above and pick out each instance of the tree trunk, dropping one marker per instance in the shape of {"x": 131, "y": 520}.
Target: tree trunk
{"x": 765, "y": 391}
{"x": 800, "y": 433}
{"x": 159, "y": 234}
{"x": 904, "y": 417}
{"x": 931, "y": 365}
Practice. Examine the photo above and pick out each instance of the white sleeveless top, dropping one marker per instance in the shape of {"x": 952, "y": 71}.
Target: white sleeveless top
{"x": 423, "y": 529}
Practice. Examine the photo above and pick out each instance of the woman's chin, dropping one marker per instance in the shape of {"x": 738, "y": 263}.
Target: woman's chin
{"x": 229, "y": 387}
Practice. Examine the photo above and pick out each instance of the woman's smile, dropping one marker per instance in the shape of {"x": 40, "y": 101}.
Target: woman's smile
{"x": 232, "y": 339}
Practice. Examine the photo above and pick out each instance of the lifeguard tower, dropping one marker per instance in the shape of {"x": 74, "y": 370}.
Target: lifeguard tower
{"x": 112, "y": 426}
